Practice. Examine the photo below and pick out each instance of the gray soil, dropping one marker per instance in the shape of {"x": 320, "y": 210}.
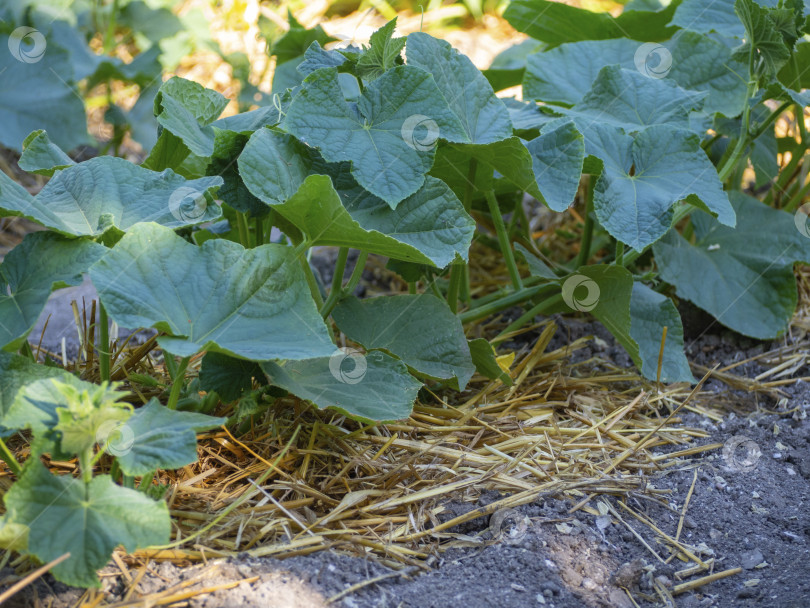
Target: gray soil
{"x": 749, "y": 509}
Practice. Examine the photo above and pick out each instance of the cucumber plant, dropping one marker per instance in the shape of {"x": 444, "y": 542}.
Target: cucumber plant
{"x": 664, "y": 125}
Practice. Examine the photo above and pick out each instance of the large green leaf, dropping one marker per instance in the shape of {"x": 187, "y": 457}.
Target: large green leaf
{"x": 156, "y": 437}
{"x": 64, "y": 515}
{"x": 42, "y": 156}
{"x": 468, "y": 93}
{"x": 645, "y": 176}
{"x": 650, "y": 312}
{"x": 389, "y": 135}
{"x": 632, "y": 101}
{"x": 41, "y": 263}
{"x": 273, "y": 165}
{"x": 419, "y": 329}
{"x": 252, "y": 303}
{"x": 707, "y": 16}
{"x": 742, "y": 276}
{"x": 227, "y": 376}
{"x": 374, "y": 386}
{"x": 557, "y": 23}
{"x": 104, "y": 192}
{"x": 565, "y": 74}
{"x": 763, "y": 37}
{"x": 17, "y": 372}
{"x": 228, "y": 145}
{"x": 37, "y": 92}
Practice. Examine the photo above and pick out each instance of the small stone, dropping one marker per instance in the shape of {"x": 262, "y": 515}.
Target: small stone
{"x": 571, "y": 576}
{"x": 751, "y": 559}
{"x": 517, "y": 587}
{"x": 628, "y": 574}
{"x": 663, "y": 580}
{"x": 688, "y": 522}
{"x": 791, "y": 471}
{"x": 714, "y": 534}
{"x": 588, "y": 584}
{"x": 540, "y": 599}
{"x": 747, "y": 592}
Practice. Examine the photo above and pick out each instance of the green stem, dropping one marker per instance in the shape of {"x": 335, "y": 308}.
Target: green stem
{"x": 619, "y": 253}
{"x": 529, "y": 315}
{"x": 456, "y": 273}
{"x": 469, "y": 191}
{"x": 513, "y": 299}
{"x": 357, "y": 273}
{"x": 337, "y": 283}
{"x": 503, "y": 240}
{"x": 177, "y": 383}
{"x": 411, "y": 287}
{"x": 258, "y": 225}
{"x": 797, "y": 198}
{"x": 103, "y": 343}
{"x": 744, "y": 138}
{"x": 8, "y": 458}
{"x": 244, "y": 232}
{"x": 146, "y": 481}
{"x": 770, "y": 120}
{"x": 801, "y": 125}
{"x": 786, "y": 174}
{"x": 587, "y": 232}
{"x": 86, "y": 465}
{"x": 314, "y": 289}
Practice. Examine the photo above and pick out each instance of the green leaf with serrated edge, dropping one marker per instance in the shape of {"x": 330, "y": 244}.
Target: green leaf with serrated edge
{"x": 42, "y": 156}
{"x": 742, "y": 276}
{"x": 557, "y": 23}
{"x": 486, "y": 364}
{"x": 632, "y": 101}
{"x": 252, "y": 303}
{"x": 668, "y": 165}
{"x": 565, "y": 74}
{"x": 38, "y": 92}
{"x": 558, "y": 156}
{"x": 527, "y": 115}
{"x": 273, "y": 165}
{"x": 316, "y": 58}
{"x": 419, "y": 329}
{"x": 705, "y": 16}
{"x": 187, "y": 109}
{"x": 156, "y": 437}
{"x": 17, "y": 372}
{"x": 227, "y": 146}
{"x": 35, "y": 405}
{"x": 374, "y": 386}
{"x": 650, "y": 312}
{"x": 389, "y": 135}
{"x": 761, "y": 33}
{"x": 537, "y": 267}
{"x": 31, "y": 271}
{"x": 468, "y": 93}
{"x": 227, "y": 376}
{"x": 84, "y": 412}
{"x": 382, "y": 54}
{"x": 89, "y": 198}
{"x": 88, "y": 521}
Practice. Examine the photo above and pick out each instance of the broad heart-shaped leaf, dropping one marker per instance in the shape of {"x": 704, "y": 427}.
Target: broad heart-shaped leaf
{"x": 252, "y": 303}
{"x": 632, "y": 101}
{"x": 316, "y": 58}
{"x": 650, "y": 312}
{"x": 707, "y": 16}
{"x": 565, "y": 74}
{"x": 634, "y": 315}
{"x": 419, "y": 329}
{"x": 89, "y": 198}
{"x": 742, "y": 276}
{"x": 389, "y": 135}
{"x": 429, "y": 227}
{"x": 37, "y": 92}
{"x": 383, "y": 52}
{"x": 374, "y": 386}
{"x": 156, "y": 437}
{"x": 668, "y": 165}
{"x": 42, "y": 156}
{"x": 557, "y": 23}
{"x": 468, "y": 93}
{"x": 44, "y": 261}
{"x": 17, "y": 372}
{"x": 64, "y": 515}
{"x": 227, "y": 376}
